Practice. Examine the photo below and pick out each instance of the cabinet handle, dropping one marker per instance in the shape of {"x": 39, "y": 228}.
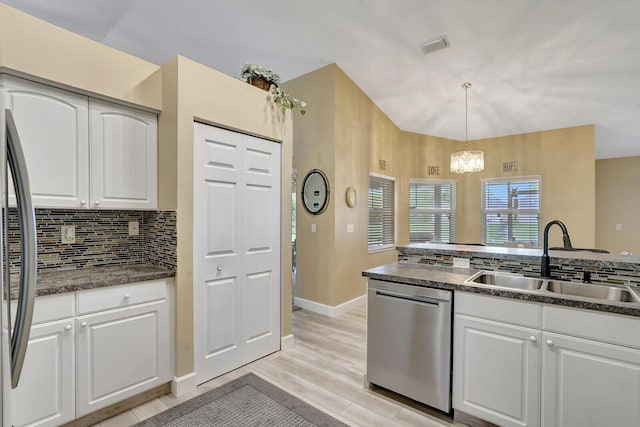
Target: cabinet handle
{"x": 67, "y": 328}
{"x": 97, "y": 203}
{"x": 533, "y": 338}
{"x": 219, "y": 268}
{"x": 550, "y": 342}
{"x": 84, "y": 324}
{"x": 127, "y": 296}
{"x": 83, "y": 202}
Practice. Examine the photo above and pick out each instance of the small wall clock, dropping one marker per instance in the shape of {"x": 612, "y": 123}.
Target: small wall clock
{"x": 315, "y": 192}
{"x": 351, "y": 196}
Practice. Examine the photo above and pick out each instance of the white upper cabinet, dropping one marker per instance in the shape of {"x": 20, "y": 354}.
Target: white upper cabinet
{"x": 53, "y": 129}
{"x": 124, "y": 153}
{"x": 84, "y": 153}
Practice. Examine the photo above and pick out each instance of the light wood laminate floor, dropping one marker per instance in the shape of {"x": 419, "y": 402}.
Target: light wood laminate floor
{"x": 325, "y": 368}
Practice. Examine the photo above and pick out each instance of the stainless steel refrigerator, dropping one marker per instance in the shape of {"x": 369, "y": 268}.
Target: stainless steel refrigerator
{"x": 15, "y": 337}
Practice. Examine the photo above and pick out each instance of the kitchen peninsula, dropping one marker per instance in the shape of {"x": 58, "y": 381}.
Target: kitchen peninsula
{"x": 532, "y": 357}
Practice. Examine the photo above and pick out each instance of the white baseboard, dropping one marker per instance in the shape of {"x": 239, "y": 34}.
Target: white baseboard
{"x": 327, "y": 310}
{"x": 184, "y": 384}
{"x": 286, "y": 342}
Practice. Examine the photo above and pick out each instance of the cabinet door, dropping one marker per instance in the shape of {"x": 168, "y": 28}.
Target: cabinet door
{"x": 121, "y": 353}
{"x": 53, "y": 129}
{"x": 588, "y": 383}
{"x": 124, "y": 155}
{"x": 45, "y": 395}
{"x": 496, "y": 371}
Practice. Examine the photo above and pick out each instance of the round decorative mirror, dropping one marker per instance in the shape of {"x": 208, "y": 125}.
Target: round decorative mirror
{"x": 315, "y": 192}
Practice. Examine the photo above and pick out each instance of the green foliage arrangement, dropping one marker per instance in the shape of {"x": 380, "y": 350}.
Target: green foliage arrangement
{"x": 282, "y": 99}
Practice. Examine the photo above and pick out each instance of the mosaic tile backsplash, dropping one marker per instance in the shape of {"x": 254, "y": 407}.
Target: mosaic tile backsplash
{"x": 563, "y": 269}
{"x": 102, "y": 238}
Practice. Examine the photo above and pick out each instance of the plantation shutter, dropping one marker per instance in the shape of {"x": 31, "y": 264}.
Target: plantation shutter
{"x": 511, "y": 210}
{"x": 381, "y": 212}
{"x": 432, "y": 211}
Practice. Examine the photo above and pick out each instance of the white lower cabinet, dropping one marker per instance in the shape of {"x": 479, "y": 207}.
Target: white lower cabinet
{"x": 496, "y": 365}
{"x": 45, "y": 395}
{"x": 496, "y": 371}
{"x": 117, "y": 344}
{"x": 120, "y": 354}
{"x": 512, "y": 368}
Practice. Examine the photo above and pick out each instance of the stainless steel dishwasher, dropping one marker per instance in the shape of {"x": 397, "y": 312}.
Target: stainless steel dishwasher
{"x": 409, "y": 341}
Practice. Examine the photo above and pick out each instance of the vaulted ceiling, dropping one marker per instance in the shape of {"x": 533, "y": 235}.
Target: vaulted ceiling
{"x": 534, "y": 64}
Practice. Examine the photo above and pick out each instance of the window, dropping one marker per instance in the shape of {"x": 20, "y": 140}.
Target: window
{"x": 381, "y": 212}
{"x": 432, "y": 211}
{"x": 511, "y": 210}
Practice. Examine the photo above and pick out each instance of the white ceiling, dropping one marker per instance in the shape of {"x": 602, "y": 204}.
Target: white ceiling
{"x": 534, "y": 64}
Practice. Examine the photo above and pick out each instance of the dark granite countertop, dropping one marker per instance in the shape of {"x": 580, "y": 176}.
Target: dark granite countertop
{"x": 452, "y": 278}
{"x": 52, "y": 282}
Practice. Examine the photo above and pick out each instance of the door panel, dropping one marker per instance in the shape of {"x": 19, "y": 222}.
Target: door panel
{"x": 496, "y": 371}
{"x": 120, "y": 354}
{"x": 53, "y": 129}
{"x": 217, "y": 252}
{"x": 123, "y": 157}
{"x": 45, "y": 395}
{"x": 261, "y": 248}
{"x": 580, "y": 374}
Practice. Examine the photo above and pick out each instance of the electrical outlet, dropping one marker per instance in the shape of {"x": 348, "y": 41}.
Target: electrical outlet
{"x": 134, "y": 228}
{"x": 461, "y": 263}
{"x": 68, "y": 233}
{"x": 313, "y": 228}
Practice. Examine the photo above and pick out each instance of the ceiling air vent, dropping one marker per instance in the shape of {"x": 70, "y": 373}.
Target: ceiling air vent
{"x": 434, "y": 44}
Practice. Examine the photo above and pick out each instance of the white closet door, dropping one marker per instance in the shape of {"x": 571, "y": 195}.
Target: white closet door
{"x": 261, "y": 248}
{"x": 236, "y": 223}
{"x": 216, "y": 234}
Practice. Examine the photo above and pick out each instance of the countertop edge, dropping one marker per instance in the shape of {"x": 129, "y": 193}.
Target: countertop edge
{"x": 66, "y": 281}
{"x": 452, "y": 278}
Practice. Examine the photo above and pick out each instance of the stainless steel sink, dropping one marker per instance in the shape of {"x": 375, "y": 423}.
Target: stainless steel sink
{"x": 600, "y": 292}
{"x": 505, "y": 280}
{"x": 569, "y": 290}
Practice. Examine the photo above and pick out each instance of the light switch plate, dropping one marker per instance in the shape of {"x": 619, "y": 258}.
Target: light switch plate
{"x": 350, "y": 228}
{"x": 68, "y": 233}
{"x": 618, "y": 227}
{"x": 134, "y": 228}
{"x": 313, "y": 228}
{"x": 461, "y": 263}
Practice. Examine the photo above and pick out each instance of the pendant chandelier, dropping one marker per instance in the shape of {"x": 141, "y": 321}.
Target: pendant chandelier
{"x": 466, "y": 160}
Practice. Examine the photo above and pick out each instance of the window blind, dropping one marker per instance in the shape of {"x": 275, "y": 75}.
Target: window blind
{"x": 381, "y": 212}
{"x": 432, "y": 211}
{"x": 511, "y": 211}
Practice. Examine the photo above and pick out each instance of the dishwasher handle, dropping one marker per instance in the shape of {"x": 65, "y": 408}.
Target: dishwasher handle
{"x": 427, "y": 300}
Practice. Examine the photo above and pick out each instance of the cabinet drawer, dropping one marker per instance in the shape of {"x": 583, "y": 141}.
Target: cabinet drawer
{"x": 605, "y": 327}
{"x": 49, "y": 308}
{"x": 120, "y": 296}
{"x": 499, "y": 309}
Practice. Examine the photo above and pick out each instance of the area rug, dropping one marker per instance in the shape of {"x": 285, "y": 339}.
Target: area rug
{"x": 245, "y": 401}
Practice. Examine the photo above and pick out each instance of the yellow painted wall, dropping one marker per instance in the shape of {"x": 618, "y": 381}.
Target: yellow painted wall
{"x": 196, "y": 92}
{"x": 565, "y": 158}
{"x": 348, "y": 142}
{"x": 32, "y": 47}
{"x": 314, "y": 149}
{"x": 618, "y": 202}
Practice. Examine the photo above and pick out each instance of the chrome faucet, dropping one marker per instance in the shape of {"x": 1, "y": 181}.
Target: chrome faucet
{"x": 545, "y": 267}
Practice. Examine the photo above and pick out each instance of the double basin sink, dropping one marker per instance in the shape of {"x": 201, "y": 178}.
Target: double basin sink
{"x": 571, "y": 290}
